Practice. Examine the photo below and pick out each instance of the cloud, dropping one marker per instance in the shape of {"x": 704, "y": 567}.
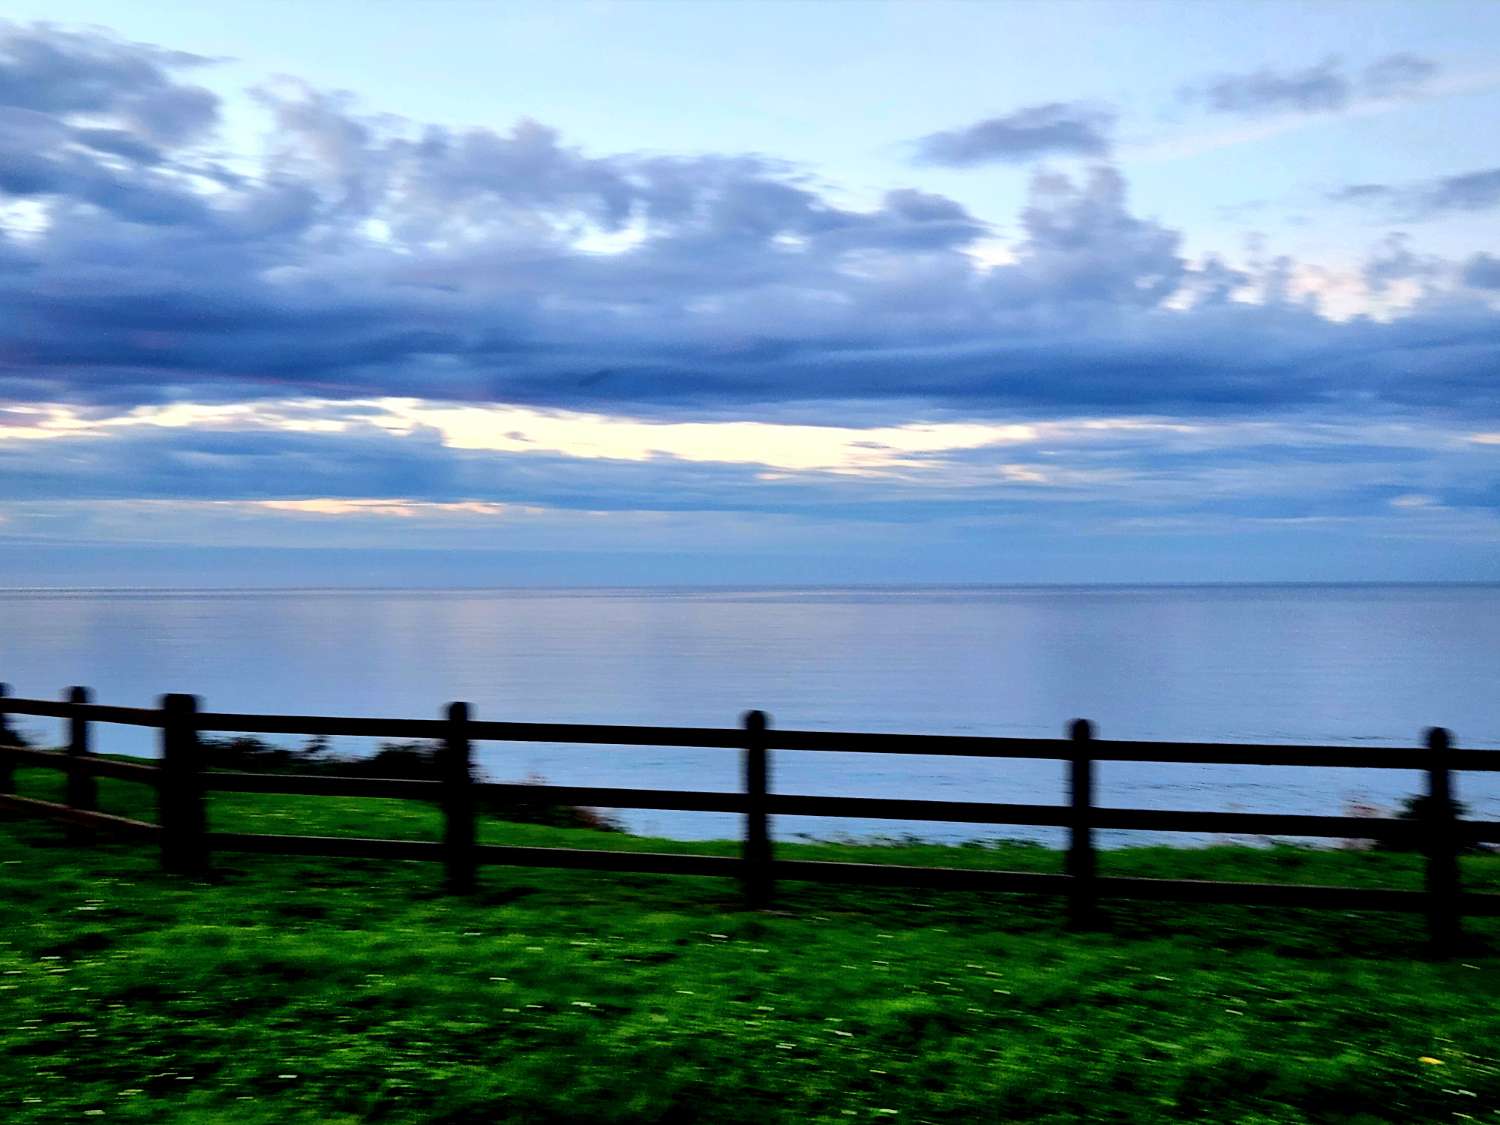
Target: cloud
{"x": 89, "y": 119}
{"x": 1315, "y": 89}
{"x": 360, "y": 257}
{"x": 1324, "y": 88}
{"x": 90, "y": 75}
{"x": 1482, "y": 271}
{"x": 1095, "y": 470}
{"x": 1398, "y": 74}
{"x": 254, "y": 465}
{"x": 1472, "y": 191}
{"x": 1426, "y": 199}
{"x": 1395, "y": 261}
{"x": 1362, "y": 193}
{"x": 1053, "y": 129}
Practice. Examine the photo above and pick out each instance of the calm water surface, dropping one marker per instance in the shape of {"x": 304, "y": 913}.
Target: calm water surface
{"x": 1362, "y": 665}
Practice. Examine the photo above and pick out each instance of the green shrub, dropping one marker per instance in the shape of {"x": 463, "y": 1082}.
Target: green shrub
{"x": 416, "y": 761}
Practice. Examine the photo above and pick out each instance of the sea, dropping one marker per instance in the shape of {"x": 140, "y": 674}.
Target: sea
{"x": 1343, "y": 665}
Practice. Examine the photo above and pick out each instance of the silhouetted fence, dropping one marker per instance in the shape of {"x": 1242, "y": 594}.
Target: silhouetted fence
{"x": 187, "y": 843}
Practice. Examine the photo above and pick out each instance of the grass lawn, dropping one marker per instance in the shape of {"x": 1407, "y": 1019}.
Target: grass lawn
{"x": 327, "y": 990}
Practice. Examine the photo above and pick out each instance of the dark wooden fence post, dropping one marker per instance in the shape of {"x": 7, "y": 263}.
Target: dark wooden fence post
{"x": 7, "y": 764}
{"x": 458, "y": 801}
{"x": 82, "y": 790}
{"x": 759, "y": 882}
{"x": 184, "y": 846}
{"x": 1441, "y": 839}
{"x": 1083, "y": 892}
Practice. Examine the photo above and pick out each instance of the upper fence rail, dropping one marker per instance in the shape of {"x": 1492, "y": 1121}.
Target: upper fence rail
{"x": 733, "y": 738}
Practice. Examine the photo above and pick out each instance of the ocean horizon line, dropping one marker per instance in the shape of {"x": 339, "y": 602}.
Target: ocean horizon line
{"x": 770, "y": 587}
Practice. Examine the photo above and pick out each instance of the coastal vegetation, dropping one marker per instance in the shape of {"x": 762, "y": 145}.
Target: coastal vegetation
{"x": 415, "y": 760}
{"x": 288, "y": 990}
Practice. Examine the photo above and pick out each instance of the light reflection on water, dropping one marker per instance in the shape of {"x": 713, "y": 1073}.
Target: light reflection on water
{"x": 1330, "y": 664}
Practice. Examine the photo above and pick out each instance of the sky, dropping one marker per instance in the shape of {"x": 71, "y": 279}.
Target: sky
{"x": 446, "y": 293}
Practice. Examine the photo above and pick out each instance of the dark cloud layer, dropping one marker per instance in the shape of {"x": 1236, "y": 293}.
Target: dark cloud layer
{"x": 1300, "y": 474}
{"x": 358, "y": 256}
{"x": 1057, "y": 128}
{"x": 258, "y": 464}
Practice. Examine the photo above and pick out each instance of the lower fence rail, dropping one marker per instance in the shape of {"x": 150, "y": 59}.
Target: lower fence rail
{"x": 87, "y": 818}
{"x": 1296, "y": 895}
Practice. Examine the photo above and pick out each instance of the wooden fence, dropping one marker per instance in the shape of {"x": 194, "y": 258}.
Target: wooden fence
{"x": 186, "y": 842}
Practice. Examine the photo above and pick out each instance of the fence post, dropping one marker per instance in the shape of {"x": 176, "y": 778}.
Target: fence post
{"x": 458, "y": 801}
{"x": 82, "y": 789}
{"x": 1083, "y": 892}
{"x": 184, "y": 846}
{"x": 1441, "y": 838}
{"x": 759, "y": 883}
{"x": 7, "y": 764}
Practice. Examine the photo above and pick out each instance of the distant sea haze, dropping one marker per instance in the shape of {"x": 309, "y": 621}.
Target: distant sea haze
{"x": 1343, "y": 665}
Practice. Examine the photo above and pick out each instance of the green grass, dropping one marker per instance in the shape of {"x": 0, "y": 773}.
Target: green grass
{"x": 287, "y": 990}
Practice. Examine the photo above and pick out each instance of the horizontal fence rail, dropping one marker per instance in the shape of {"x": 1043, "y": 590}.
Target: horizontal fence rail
{"x": 186, "y": 843}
